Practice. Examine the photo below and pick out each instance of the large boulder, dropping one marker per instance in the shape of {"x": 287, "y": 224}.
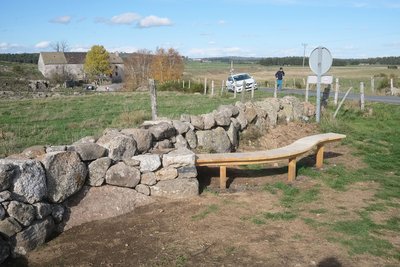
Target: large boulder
{"x": 26, "y": 179}
{"x": 123, "y": 175}
{"x": 167, "y": 173}
{"x": 34, "y": 151}
{"x": 119, "y": 146}
{"x": 232, "y": 110}
{"x": 197, "y": 122}
{"x": 209, "y": 121}
{"x": 214, "y": 141}
{"x": 33, "y": 236}
{"x": 191, "y": 138}
{"x": 65, "y": 173}
{"x": 223, "y": 117}
{"x": 272, "y": 106}
{"x": 143, "y": 138}
{"x": 176, "y": 188}
{"x": 98, "y": 170}
{"x": 233, "y": 133}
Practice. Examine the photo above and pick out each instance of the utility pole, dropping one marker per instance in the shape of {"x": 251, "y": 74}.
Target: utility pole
{"x": 304, "y": 54}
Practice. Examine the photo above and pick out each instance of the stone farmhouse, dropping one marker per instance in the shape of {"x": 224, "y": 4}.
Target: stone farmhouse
{"x": 70, "y": 64}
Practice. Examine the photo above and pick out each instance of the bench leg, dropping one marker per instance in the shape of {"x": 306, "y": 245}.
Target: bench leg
{"x": 222, "y": 177}
{"x": 320, "y": 156}
{"x": 292, "y": 169}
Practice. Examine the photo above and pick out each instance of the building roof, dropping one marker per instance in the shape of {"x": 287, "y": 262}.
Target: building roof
{"x": 52, "y": 58}
{"x": 75, "y": 57}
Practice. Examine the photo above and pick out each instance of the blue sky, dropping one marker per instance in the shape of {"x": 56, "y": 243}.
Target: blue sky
{"x": 205, "y": 28}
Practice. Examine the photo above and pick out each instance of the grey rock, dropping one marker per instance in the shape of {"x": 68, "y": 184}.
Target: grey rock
{"x": 197, "y": 122}
{"x": 179, "y": 158}
{"x": 233, "y": 133}
{"x": 88, "y": 151}
{"x": 5, "y": 195}
{"x": 148, "y": 178}
{"x": 132, "y": 162}
{"x": 209, "y": 121}
{"x": 181, "y": 126}
{"x": 98, "y": 170}
{"x": 143, "y": 138}
{"x": 34, "y": 151}
{"x": 56, "y": 149}
{"x": 187, "y": 172}
{"x": 23, "y": 213}
{"x": 123, "y": 175}
{"x": 164, "y": 144}
{"x": 7, "y": 171}
{"x": 162, "y": 131}
{"x": 241, "y": 118}
{"x": 176, "y": 188}
{"x": 33, "y": 236}
{"x": 272, "y": 106}
{"x": 167, "y": 173}
{"x": 57, "y": 211}
{"x": 214, "y": 141}
{"x": 185, "y": 118}
{"x": 65, "y": 173}
{"x": 42, "y": 210}
{"x": 29, "y": 181}
{"x": 9, "y": 227}
{"x": 2, "y": 212}
{"x": 231, "y": 109}
{"x": 119, "y": 146}
{"x": 148, "y": 162}
{"x": 223, "y": 117}
{"x": 191, "y": 138}
{"x": 250, "y": 113}
{"x": 181, "y": 142}
{"x": 143, "y": 189}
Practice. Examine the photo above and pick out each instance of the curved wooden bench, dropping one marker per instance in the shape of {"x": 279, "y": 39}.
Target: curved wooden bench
{"x": 290, "y": 152}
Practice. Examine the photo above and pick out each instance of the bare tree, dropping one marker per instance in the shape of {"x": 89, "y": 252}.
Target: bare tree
{"x": 137, "y": 68}
{"x": 60, "y": 46}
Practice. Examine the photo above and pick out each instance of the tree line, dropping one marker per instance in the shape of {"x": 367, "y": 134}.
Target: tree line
{"x": 21, "y": 58}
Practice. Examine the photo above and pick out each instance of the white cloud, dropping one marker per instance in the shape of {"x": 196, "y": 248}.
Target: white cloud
{"x": 126, "y": 49}
{"x": 125, "y": 18}
{"x": 42, "y": 44}
{"x": 154, "y": 21}
{"x": 221, "y": 22}
{"x": 61, "y": 20}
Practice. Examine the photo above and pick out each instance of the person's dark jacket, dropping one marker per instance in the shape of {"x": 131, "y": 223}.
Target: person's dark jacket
{"x": 279, "y": 74}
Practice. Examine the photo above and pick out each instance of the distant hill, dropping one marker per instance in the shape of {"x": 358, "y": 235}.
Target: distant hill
{"x": 298, "y": 61}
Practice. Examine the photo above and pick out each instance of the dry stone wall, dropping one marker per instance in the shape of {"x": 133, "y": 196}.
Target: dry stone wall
{"x": 156, "y": 160}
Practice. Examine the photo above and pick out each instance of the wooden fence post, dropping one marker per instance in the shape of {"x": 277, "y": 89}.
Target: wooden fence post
{"x": 212, "y": 88}
{"x": 234, "y": 90}
{"x": 372, "y": 84}
{"x": 307, "y": 89}
{"x": 391, "y": 87}
{"x": 275, "y": 90}
{"x": 243, "y": 91}
{"x": 362, "y": 103}
{"x": 205, "y": 86}
{"x": 189, "y": 84}
{"x": 336, "y": 92}
{"x": 222, "y": 87}
{"x": 183, "y": 84}
{"x": 153, "y": 99}
{"x": 252, "y": 91}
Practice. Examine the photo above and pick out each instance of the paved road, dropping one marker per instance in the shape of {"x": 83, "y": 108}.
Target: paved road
{"x": 382, "y": 99}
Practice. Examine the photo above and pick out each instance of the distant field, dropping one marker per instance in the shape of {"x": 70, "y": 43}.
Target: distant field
{"x": 295, "y": 75}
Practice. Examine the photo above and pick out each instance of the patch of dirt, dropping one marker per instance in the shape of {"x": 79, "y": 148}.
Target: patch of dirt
{"x": 222, "y": 227}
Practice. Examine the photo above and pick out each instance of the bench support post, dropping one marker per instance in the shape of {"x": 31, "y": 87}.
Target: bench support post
{"x": 320, "y": 156}
{"x": 222, "y": 177}
{"x": 292, "y": 169}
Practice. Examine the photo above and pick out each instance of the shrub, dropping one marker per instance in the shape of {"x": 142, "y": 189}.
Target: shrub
{"x": 392, "y": 67}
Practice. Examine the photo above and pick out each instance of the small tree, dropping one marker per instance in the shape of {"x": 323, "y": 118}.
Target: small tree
{"x": 97, "y": 65}
{"x": 167, "y": 65}
{"x": 61, "y": 46}
{"x": 137, "y": 69}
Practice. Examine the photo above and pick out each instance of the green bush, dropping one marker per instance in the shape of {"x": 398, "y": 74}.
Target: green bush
{"x": 178, "y": 86}
{"x": 384, "y": 83}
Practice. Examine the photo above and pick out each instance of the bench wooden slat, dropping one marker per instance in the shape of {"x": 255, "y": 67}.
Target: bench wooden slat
{"x": 290, "y": 152}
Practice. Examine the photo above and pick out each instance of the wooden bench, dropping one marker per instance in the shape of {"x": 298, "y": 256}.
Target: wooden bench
{"x": 290, "y": 152}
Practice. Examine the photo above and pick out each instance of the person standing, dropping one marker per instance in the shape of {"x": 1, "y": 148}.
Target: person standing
{"x": 279, "y": 77}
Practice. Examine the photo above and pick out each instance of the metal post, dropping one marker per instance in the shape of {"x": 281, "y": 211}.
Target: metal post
{"x": 319, "y": 74}
{"x": 336, "y": 92}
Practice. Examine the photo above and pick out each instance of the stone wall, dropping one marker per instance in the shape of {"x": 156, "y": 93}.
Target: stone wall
{"x": 155, "y": 160}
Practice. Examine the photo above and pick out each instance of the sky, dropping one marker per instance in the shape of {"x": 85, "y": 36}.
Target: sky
{"x": 205, "y": 28}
